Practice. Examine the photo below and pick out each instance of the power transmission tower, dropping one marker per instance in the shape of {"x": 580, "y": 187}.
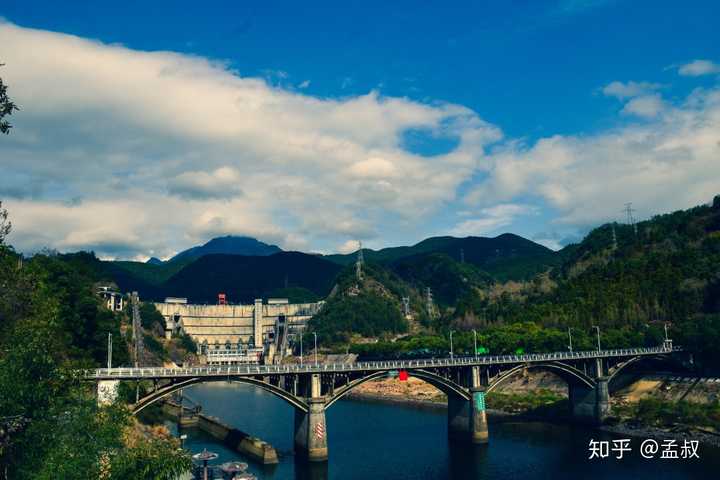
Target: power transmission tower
{"x": 359, "y": 263}
{"x": 406, "y": 306}
{"x": 137, "y": 328}
{"x": 630, "y": 219}
{"x": 429, "y": 300}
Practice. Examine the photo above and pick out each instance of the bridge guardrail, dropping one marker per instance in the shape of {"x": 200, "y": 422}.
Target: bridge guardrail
{"x": 249, "y": 370}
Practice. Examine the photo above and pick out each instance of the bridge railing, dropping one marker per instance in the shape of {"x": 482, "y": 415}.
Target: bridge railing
{"x": 250, "y": 370}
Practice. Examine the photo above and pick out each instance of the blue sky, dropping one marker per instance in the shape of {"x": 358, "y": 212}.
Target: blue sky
{"x": 381, "y": 121}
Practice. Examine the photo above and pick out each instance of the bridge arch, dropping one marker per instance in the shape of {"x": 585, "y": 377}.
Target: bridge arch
{"x": 570, "y": 374}
{"x": 446, "y": 386}
{"x": 166, "y": 390}
{"x": 620, "y": 367}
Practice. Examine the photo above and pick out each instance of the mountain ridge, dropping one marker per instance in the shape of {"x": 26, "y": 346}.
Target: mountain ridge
{"x": 228, "y": 245}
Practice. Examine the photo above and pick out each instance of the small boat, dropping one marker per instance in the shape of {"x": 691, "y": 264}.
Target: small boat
{"x": 236, "y": 471}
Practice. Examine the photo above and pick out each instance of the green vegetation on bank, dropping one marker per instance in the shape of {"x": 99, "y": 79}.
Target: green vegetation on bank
{"x": 522, "y": 402}
{"x": 527, "y": 337}
{"x": 51, "y": 324}
{"x": 665, "y": 413}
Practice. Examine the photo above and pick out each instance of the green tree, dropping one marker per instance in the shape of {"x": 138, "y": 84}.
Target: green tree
{"x": 6, "y": 109}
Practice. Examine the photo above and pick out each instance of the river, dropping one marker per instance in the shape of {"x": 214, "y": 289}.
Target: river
{"x": 382, "y": 441}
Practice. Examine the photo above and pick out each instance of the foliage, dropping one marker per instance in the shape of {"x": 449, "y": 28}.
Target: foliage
{"x": 667, "y": 272}
{"x": 501, "y": 340}
{"x": 367, "y": 314}
{"x": 6, "y": 109}
{"x": 150, "y": 317}
{"x": 187, "y": 343}
{"x": 447, "y": 278}
{"x": 5, "y": 225}
{"x": 522, "y": 402}
{"x": 666, "y": 413}
{"x": 152, "y": 344}
{"x": 51, "y": 324}
{"x": 507, "y": 256}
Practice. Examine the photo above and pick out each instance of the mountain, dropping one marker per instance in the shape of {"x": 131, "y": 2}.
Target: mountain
{"x": 154, "y": 261}
{"x": 505, "y": 257}
{"x": 228, "y": 245}
{"x": 300, "y": 276}
{"x": 625, "y": 279}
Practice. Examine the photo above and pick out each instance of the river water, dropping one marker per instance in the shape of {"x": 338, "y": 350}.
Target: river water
{"x": 382, "y": 441}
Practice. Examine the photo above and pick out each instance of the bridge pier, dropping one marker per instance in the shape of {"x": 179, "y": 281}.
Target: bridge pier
{"x": 468, "y": 419}
{"x": 310, "y": 426}
{"x": 107, "y": 391}
{"x": 458, "y": 417}
{"x": 478, "y": 417}
{"x": 590, "y": 404}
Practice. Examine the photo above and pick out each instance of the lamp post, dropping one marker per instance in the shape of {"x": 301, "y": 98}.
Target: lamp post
{"x": 451, "y": 344}
{"x": 475, "y": 344}
{"x": 598, "y": 335}
{"x": 570, "y": 339}
{"x": 315, "y": 335}
{"x": 301, "y": 355}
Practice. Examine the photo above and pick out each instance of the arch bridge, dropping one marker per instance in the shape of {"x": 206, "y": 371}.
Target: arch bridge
{"x": 312, "y": 388}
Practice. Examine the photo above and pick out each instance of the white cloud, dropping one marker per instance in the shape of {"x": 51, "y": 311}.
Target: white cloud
{"x": 223, "y": 182}
{"x": 237, "y": 155}
{"x": 698, "y": 68}
{"x": 304, "y": 84}
{"x": 664, "y": 163}
{"x": 349, "y": 246}
{"x": 135, "y": 153}
{"x": 647, "y": 106}
{"x": 491, "y": 219}
{"x": 627, "y": 90}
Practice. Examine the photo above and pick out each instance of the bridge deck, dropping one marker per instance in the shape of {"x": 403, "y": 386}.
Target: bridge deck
{"x": 254, "y": 370}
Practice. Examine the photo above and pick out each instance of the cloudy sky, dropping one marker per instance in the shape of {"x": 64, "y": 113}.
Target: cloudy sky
{"x": 146, "y": 130}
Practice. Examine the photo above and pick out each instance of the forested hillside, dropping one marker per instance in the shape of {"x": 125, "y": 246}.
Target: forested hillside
{"x": 51, "y": 324}
{"x": 506, "y": 256}
{"x": 662, "y": 270}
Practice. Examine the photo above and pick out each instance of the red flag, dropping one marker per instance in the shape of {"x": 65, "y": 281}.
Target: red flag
{"x": 403, "y": 375}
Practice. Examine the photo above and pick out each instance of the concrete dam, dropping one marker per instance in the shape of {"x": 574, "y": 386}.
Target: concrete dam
{"x": 226, "y": 332}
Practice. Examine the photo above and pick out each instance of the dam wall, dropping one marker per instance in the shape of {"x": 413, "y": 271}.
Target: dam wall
{"x": 235, "y": 326}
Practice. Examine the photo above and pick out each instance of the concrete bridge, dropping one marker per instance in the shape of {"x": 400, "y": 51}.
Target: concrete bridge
{"x": 312, "y": 388}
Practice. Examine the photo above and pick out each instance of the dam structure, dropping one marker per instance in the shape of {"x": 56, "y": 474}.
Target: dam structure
{"x": 235, "y": 333}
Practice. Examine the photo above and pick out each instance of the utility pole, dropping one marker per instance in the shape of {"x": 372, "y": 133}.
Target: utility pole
{"x": 301, "y": 354}
{"x": 475, "y": 344}
{"x": 462, "y": 255}
{"x": 598, "y": 336}
{"x": 316, "y": 361}
{"x": 109, "y": 357}
{"x": 137, "y": 331}
{"x": 451, "y": 344}
{"x": 570, "y": 338}
{"x": 614, "y": 238}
